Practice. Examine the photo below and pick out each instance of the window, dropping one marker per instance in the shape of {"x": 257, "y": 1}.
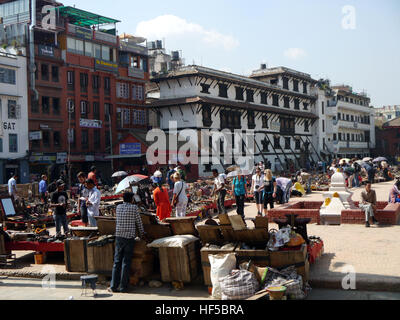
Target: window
{"x": 249, "y": 95}
{"x": 323, "y": 125}
{"x": 305, "y": 87}
{"x": 239, "y": 93}
{"x": 7, "y": 76}
{"x": 139, "y": 117}
{"x": 46, "y": 138}
{"x": 123, "y": 90}
{"x": 285, "y": 81}
{"x": 126, "y": 116}
{"x": 46, "y": 105}
{"x": 107, "y": 86}
{"x": 140, "y": 93}
{"x": 85, "y": 139}
{"x": 277, "y": 143}
{"x": 54, "y": 73}
{"x": 347, "y": 117}
{"x": 251, "y": 119}
{"x": 286, "y": 102}
{"x": 88, "y": 49}
{"x": 296, "y": 104}
{"x": 45, "y": 72}
{"x": 96, "y": 111}
{"x": 340, "y": 136}
{"x": 287, "y": 143}
{"x": 352, "y": 137}
{"x": 105, "y": 53}
{"x": 305, "y": 106}
{"x": 334, "y": 137}
{"x": 56, "y": 106}
{"x": 107, "y": 139}
{"x": 84, "y": 81}
{"x": 13, "y": 143}
{"x": 297, "y": 145}
{"x": 1, "y": 145}
{"x": 206, "y": 113}
{"x": 12, "y": 109}
{"x": 352, "y": 119}
{"x": 339, "y": 116}
{"x": 96, "y": 139}
{"x": 265, "y": 122}
{"x": 275, "y": 100}
{"x": 107, "y": 111}
{"x": 84, "y": 109}
{"x": 95, "y": 83}
{"x": 323, "y": 107}
{"x": 71, "y": 80}
{"x": 71, "y": 108}
{"x": 306, "y": 128}
{"x": 56, "y": 139}
{"x": 79, "y": 47}
{"x": 205, "y": 88}
{"x": 223, "y": 91}
{"x": 34, "y": 105}
{"x": 264, "y": 98}
{"x": 296, "y": 85}
{"x": 348, "y": 137}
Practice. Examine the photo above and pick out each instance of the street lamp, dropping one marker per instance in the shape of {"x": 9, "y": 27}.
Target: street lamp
{"x": 69, "y": 110}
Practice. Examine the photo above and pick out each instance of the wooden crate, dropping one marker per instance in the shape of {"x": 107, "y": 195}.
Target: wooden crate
{"x": 2, "y": 245}
{"x": 179, "y": 264}
{"x": 106, "y": 225}
{"x": 260, "y": 256}
{"x": 261, "y": 222}
{"x": 75, "y": 255}
{"x": 182, "y": 226}
{"x": 101, "y": 259}
{"x": 284, "y": 259}
{"x": 158, "y": 231}
{"x": 205, "y": 262}
{"x": 210, "y": 234}
{"x": 252, "y": 236}
{"x": 228, "y": 234}
{"x": 224, "y": 219}
{"x": 142, "y": 265}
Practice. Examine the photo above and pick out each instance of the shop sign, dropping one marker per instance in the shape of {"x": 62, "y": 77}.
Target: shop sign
{"x": 62, "y": 157}
{"x": 105, "y": 66}
{"x": 89, "y": 158}
{"x": 42, "y": 158}
{"x": 47, "y": 51}
{"x": 88, "y": 123}
{"x": 35, "y": 135}
{"x": 9, "y": 125}
{"x": 44, "y": 127}
{"x": 84, "y": 33}
{"x": 275, "y": 125}
{"x": 130, "y": 148}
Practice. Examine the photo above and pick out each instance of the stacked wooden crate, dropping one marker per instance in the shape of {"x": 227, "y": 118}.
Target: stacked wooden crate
{"x": 142, "y": 265}
{"x": 75, "y": 254}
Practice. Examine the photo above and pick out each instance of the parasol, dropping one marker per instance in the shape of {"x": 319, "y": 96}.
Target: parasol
{"x": 119, "y": 174}
{"x": 126, "y": 183}
{"x": 239, "y": 172}
{"x": 367, "y": 159}
{"x": 379, "y": 159}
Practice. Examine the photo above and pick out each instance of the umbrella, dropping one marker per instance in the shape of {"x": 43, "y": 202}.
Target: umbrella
{"x": 345, "y": 160}
{"x": 239, "y": 172}
{"x": 232, "y": 168}
{"x": 119, "y": 174}
{"x": 367, "y": 159}
{"x": 380, "y": 159}
{"x": 126, "y": 183}
{"x": 360, "y": 162}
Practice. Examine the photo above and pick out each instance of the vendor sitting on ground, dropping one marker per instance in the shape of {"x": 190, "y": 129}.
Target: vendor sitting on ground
{"x": 368, "y": 204}
{"x": 395, "y": 193}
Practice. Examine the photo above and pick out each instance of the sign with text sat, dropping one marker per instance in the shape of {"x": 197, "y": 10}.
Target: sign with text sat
{"x": 89, "y": 123}
{"x": 130, "y": 148}
{"x": 105, "y": 66}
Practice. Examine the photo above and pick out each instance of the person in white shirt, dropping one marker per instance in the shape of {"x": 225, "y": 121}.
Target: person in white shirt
{"x": 256, "y": 184}
{"x": 179, "y": 199}
{"x": 219, "y": 188}
{"x": 93, "y": 202}
{"x": 12, "y": 186}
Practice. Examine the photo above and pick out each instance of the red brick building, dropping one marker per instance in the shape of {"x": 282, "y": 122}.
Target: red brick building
{"x": 388, "y": 140}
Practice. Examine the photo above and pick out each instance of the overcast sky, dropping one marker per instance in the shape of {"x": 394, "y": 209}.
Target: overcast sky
{"x": 352, "y": 42}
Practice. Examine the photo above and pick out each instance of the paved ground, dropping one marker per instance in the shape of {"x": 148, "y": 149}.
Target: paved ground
{"x": 373, "y": 254}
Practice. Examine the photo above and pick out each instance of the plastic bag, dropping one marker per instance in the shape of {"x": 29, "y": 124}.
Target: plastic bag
{"x": 221, "y": 266}
{"x": 173, "y": 242}
{"x": 239, "y": 285}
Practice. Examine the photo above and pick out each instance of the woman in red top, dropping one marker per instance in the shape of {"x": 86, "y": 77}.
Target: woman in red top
{"x": 161, "y": 199}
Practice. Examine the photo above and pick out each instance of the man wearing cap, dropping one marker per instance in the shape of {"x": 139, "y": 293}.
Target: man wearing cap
{"x": 59, "y": 200}
{"x": 93, "y": 202}
{"x": 157, "y": 177}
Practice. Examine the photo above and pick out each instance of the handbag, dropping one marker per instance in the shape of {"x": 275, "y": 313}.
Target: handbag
{"x": 177, "y": 197}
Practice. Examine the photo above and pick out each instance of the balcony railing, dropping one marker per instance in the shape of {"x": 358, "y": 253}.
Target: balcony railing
{"x": 133, "y": 48}
{"x": 105, "y": 37}
{"x": 135, "y": 73}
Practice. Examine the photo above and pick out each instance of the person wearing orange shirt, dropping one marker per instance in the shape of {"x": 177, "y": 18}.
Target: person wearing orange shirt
{"x": 92, "y": 175}
{"x": 161, "y": 199}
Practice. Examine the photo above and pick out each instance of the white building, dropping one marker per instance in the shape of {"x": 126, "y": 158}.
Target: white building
{"x": 14, "y": 137}
{"x": 346, "y": 125}
{"x": 387, "y": 113}
{"x": 160, "y": 61}
{"x": 275, "y": 107}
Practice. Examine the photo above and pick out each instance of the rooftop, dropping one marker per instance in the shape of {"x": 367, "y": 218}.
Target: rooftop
{"x": 83, "y": 18}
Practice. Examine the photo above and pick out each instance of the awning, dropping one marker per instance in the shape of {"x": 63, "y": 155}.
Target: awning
{"x": 125, "y": 156}
{"x": 84, "y": 18}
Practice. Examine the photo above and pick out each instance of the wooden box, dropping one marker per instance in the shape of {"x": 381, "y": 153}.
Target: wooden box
{"x": 158, "y": 231}
{"x": 224, "y": 219}
{"x": 182, "y": 226}
{"x": 261, "y": 222}
{"x": 75, "y": 254}
{"x": 228, "y": 234}
{"x": 210, "y": 234}
{"x": 252, "y": 236}
{"x": 284, "y": 259}
{"x": 101, "y": 259}
{"x": 106, "y": 225}
{"x": 259, "y": 256}
{"x": 205, "y": 262}
{"x": 2, "y": 245}
{"x": 179, "y": 264}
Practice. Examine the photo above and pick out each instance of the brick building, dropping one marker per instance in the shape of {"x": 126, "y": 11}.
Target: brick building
{"x": 388, "y": 140}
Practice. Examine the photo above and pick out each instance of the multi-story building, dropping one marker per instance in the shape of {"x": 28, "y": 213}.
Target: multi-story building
{"x": 162, "y": 62}
{"x": 388, "y": 140}
{"x": 86, "y": 88}
{"x": 14, "y": 138}
{"x": 347, "y": 125}
{"x": 274, "y": 106}
{"x": 387, "y": 113}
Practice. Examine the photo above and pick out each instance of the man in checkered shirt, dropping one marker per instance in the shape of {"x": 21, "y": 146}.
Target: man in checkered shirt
{"x": 128, "y": 221}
